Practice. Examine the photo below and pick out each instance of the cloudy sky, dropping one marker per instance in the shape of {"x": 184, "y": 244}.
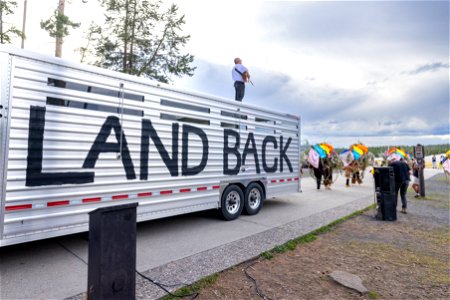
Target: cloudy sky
{"x": 370, "y": 71}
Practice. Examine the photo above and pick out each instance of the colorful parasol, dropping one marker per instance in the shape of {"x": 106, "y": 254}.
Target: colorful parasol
{"x": 323, "y": 149}
{"x": 355, "y": 152}
{"x": 447, "y": 153}
{"x": 317, "y": 152}
{"x": 395, "y": 153}
{"x": 359, "y": 150}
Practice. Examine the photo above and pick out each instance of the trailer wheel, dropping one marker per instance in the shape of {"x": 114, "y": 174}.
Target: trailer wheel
{"x": 232, "y": 203}
{"x": 254, "y": 198}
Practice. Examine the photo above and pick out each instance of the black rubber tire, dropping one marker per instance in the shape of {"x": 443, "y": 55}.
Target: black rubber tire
{"x": 254, "y": 199}
{"x": 232, "y": 203}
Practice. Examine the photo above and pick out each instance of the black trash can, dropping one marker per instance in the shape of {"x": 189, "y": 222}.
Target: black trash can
{"x": 385, "y": 193}
{"x": 112, "y": 252}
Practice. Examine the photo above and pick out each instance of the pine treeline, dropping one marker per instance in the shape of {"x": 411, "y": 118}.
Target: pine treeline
{"x": 429, "y": 149}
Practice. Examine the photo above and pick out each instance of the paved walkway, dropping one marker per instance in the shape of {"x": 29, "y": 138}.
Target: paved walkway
{"x": 181, "y": 249}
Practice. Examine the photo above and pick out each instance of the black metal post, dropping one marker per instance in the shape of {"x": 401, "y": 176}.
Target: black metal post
{"x": 112, "y": 252}
{"x": 385, "y": 195}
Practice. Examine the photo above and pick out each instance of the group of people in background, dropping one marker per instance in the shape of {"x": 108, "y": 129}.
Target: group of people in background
{"x": 323, "y": 171}
{"x": 442, "y": 159}
{"x": 406, "y": 171}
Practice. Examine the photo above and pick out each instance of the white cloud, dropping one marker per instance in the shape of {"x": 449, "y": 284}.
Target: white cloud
{"x": 373, "y": 70}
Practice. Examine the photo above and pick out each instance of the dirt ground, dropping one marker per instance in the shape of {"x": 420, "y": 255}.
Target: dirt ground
{"x": 404, "y": 259}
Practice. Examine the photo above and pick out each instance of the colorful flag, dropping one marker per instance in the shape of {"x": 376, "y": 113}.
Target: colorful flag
{"x": 313, "y": 158}
{"x": 346, "y": 157}
{"x": 320, "y": 151}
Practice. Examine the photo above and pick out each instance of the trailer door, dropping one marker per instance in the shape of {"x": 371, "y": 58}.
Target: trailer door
{"x": 5, "y": 71}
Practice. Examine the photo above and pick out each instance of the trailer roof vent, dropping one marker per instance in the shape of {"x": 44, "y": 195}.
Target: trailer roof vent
{"x": 184, "y": 106}
{"x": 233, "y": 115}
{"x": 234, "y": 126}
{"x": 92, "y": 89}
{"x": 183, "y": 119}
{"x": 92, "y": 106}
{"x": 265, "y": 121}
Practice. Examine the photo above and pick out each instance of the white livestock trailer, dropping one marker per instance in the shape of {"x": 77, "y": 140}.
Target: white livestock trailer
{"x": 74, "y": 138}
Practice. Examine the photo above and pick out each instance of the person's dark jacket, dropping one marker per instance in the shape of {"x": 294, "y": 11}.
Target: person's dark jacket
{"x": 401, "y": 171}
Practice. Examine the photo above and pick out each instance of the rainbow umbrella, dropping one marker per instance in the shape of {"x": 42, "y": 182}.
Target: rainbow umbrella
{"x": 400, "y": 152}
{"x": 323, "y": 149}
{"x": 320, "y": 151}
{"x": 395, "y": 153}
{"x": 327, "y": 147}
{"x": 389, "y": 151}
{"x": 359, "y": 150}
{"x": 394, "y": 150}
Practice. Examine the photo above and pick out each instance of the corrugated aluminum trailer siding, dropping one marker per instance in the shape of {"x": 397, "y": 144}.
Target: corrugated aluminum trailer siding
{"x": 4, "y": 100}
{"x": 74, "y": 115}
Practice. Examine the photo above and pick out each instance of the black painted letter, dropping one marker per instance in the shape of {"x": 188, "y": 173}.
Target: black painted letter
{"x": 251, "y": 150}
{"x": 283, "y": 154}
{"x": 185, "y": 169}
{"x": 34, "y": 175}
{"x": 100, "y": 145}
{"x": 171, "y": 163}
{"x": 227, "y": 150}
{"x": 273, "y": 140}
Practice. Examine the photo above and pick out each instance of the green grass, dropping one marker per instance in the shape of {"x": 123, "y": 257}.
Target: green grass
{"x": 267, "y": 255}
{"x": 373, "y": 295}
{"x": 192, "y": 289}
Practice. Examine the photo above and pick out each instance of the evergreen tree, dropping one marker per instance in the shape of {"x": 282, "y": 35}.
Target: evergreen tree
{"x": 139, "y": 38}
{"x": 58, "y": 26}
{"x": 87, "y": 51}
{"x": 6, "y": 33}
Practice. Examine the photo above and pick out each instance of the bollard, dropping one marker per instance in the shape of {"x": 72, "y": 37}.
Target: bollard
{"x": 112, "y": 253}
{"x": 419, "y": 155}
{"x": 385, "y": 193}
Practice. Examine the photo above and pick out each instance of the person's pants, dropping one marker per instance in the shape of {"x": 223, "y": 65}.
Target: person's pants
{"x": 402, "y": 188}
{"x": 318, "y": 174}
{"x": 239, "y": 86}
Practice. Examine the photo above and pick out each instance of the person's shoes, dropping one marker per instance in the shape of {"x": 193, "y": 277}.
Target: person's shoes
{"x": 416, "y": 196}
{"x": 347, "y": 185}
{"x": 403, "y": 211}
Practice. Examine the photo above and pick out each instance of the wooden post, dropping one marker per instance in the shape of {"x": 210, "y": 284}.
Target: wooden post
{"x": 22, "y": 45}
{"x": 419, "y": 154}
{"x": 59, "y": 40}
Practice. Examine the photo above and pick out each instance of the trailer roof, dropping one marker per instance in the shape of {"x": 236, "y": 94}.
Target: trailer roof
{"x": 105, "y": 72}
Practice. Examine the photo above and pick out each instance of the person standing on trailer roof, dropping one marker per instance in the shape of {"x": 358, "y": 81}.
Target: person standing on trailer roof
{"x": 240, "y": 76}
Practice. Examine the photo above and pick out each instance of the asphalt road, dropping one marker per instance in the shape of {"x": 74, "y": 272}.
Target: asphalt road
{"x": 184, "y": 248}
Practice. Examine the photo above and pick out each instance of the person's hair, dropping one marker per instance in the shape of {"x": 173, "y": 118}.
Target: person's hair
{"x": 237, "y": 60}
